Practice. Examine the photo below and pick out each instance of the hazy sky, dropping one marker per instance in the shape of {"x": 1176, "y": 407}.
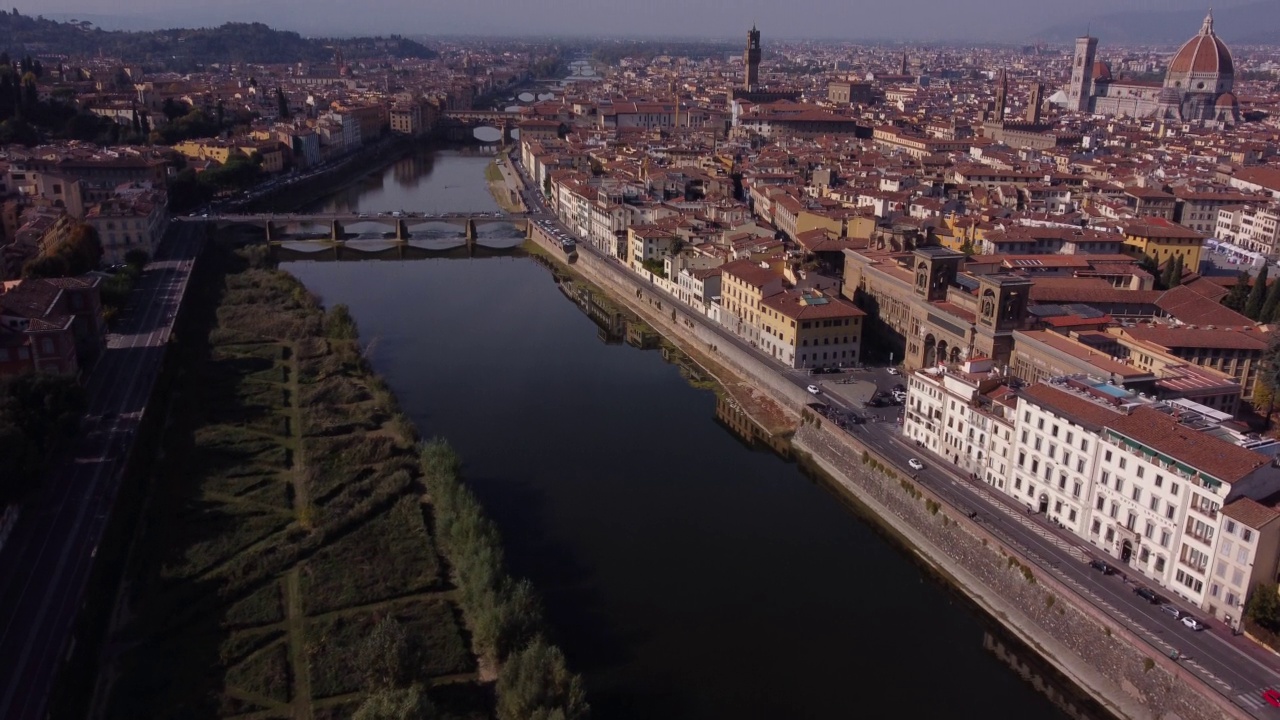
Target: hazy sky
{"x": 1003, "y": 20}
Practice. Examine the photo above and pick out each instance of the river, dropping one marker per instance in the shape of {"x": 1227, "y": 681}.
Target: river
{"x": 687, "y": 573}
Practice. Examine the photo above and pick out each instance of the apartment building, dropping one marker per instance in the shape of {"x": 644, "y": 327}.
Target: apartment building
{"x": 1256, "y": 229}
{"x": 1165, "y": 488}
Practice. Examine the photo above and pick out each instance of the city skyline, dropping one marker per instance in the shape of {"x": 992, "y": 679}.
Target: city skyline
{"x": 909, "y": 20}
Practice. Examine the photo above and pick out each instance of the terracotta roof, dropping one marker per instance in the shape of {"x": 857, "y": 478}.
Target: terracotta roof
{"x": 1249, "y": 512}
{"x": 1070, "y": 406}
{"x": 1223, "y": 460}
{"x": 1192, "y": 337}
{"x": 1189, "y": 306}
{"x": 750, "y": 272}
{"x": 798, "y": 305}
{"x": 1204, "y": 53}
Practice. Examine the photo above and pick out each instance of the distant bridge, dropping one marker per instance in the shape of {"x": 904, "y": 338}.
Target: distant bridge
{"x": 456, "y": 123}
{"x": 342, "y": 228}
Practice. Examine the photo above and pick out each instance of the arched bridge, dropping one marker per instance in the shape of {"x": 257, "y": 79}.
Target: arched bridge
{"x": 458, "y": 122}
{"x": 489, "y": 229}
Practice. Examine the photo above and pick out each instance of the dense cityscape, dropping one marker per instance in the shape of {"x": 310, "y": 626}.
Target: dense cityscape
{"x": 1014, "y": 301}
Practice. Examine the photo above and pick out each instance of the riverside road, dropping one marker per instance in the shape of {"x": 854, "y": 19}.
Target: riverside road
{"x": 1234, "y": 666}
{"x": 46, "y": 562}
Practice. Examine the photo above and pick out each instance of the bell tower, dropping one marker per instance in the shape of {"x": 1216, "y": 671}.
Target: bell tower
{"x": 1002, "y": 302}
{"x": 935, "y": 269}
{"x": 751, "y": 60}
{"x": 1081, "y": 87}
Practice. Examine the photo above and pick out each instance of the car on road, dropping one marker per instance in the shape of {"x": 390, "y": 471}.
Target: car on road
{"x": 1147, "y": 594}
{"x": 1102, "y": 567}
{"x": 1170, "y": 609}
{"x": 893, "y": 371}
{"x": 1272, "y": 696}
{"x": 915, "y": 464}
{"x": 1193, "y": 623}
{"x": 814, "y": 390}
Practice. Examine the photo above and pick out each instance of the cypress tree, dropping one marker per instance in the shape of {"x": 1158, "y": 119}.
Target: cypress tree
{"x": 1175, "y": 274}
{"x": 1253, "y": 308}
{"x": 1239, "y": 293}
{"x": 1272, "y": 304}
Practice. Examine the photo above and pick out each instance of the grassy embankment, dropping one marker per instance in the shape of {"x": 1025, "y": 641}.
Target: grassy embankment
{"x": 500, "y": 190}
{"x": 290, "y": 517}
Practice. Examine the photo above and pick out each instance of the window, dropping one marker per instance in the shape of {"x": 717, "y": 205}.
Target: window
{"x": 1080, "y": 465}
{"x": 1159, "y": 564}
{"x": 1159, "y": 480}
{"x": 1115, "y": 510}
{"x": 1070, "y": 438}
{"x": 1137, "y": 494}
{"x": 1037, "y": 444}
{"x": 1111, "y": 535}
{"x": 1246, "y": 534}
{"x": 1072, "y": 515}
{"x": 1107, "y": 457}
{"x": 1095, "y": 528}
{"x": 1119, "y": 484}
{"x": 1054, "y": 432}
{"x": 1123, "y": 463}
{"x": 1024, "y": 437}
{"x": 1057, "y": 507}
{"x": 1106, "y": 478}
{"x": 1099, "y": 503}
{"x": 1140, "y": 470}
{"x": 1035, "y": 466}
{"x": 1143, "y": 555}
{"x": 1130, "y": 521}
{"x": 1084, "y": 445}
{"x": 1169, "y": 510}
{"x": 1022, "y": 459}
{"x": 1075, "y": 489}
{"x": 1149, "y": 531}
{"x": 1040, "y": 424}
{"x": 1173, "y": 488}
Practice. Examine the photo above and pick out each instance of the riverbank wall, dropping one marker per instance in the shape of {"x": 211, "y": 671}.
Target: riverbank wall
{"x": 1107, "y": 660}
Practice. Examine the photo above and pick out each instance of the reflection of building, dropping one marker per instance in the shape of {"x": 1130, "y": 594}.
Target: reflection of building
{"x": 1197, "y": 85}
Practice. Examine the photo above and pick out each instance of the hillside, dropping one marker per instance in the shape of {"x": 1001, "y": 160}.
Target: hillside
{"x": 184, "y": 48}
{"x": 1256, "y": 23}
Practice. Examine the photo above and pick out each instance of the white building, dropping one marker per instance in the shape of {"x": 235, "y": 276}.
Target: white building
{"x": 1164, "y": 488}
{"x": 1256, "y": 229}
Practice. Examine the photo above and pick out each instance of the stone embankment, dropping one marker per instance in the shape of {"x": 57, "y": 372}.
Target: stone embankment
{"x": 1104, "y": 658}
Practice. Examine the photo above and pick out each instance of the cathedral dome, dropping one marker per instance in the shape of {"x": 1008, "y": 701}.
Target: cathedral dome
{"x": 1101, "y": 72}
{"x": 1226, "y": 100}
{"x": 1204, "y": 53}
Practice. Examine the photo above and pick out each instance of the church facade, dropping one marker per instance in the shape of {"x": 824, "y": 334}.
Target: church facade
{"x": 1197, "y": 86}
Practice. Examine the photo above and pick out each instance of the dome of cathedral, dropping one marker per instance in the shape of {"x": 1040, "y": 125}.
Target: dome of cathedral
{"x": 1101, "y": 72}
{"x": 1226, "y": 100}
{"x": 1204, "y": 53}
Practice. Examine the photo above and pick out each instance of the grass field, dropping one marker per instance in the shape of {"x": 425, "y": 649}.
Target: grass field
{"x": 286, "y": 519}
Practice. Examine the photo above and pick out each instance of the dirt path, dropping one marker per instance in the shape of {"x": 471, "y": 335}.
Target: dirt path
{"x": 299, "y": 661}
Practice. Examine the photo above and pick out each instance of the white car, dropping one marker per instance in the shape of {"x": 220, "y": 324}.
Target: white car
{"x": 814, "y": 390}
{"x": 915, "y": 464}
{"x": 1193, "y": 623}
{"x": 893, "y": 371}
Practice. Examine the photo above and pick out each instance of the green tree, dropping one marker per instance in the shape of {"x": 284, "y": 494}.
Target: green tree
{"x": 1271, "y": 304}
{"x": 282, "y": 104}
{"x": 409, "y": 703}
{"x": 1263, "y": 607}
{"x": 384, "y": 655}
{"x": 37, "y": 410}
{"x": 1270, "y": 376}
{"x": 1239, "y": 293}
{"x": 1150, "y": 265}
{"x": 1253, "y": 307}
{"x": 536, "y": 684}
{"x": 1175, "y": 273}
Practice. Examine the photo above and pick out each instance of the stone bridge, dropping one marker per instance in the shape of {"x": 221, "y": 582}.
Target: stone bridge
{"x": 456, "y": 123}
{"x": 342, "y": 228}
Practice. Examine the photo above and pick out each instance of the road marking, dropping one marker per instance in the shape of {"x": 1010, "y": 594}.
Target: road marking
{"x": 1250, "y": 700}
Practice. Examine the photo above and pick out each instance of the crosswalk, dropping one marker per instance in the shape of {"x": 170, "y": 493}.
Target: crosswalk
{"x": 1252, "y": 699}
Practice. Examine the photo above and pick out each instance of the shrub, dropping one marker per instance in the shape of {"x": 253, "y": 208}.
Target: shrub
{"x": 535, "y": 684}
{"x": 1147, "y": 664}
{"x": 866, "y": 457}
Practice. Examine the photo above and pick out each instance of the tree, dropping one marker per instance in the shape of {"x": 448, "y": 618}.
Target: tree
{"x": 1253, "y": 307}
{"x": 1239, "y": 293}
{"x": 535, "y": 684}
{"x": 1175, "y": 273}
{"x": 282, "y": 104}
{"x": 1150, "y": 265}
{"x": 1271, "y": 305}
{"x": 409, "y": 703}
{"x": 1270, "y": 376}
{"x": 968, "y": 249}
{"x": 1263, "y": 607}
{"x": 384, "y": 655}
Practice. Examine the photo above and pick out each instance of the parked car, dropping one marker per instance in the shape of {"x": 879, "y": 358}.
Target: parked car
{"x": 1102, "y": 567}
{"x": 893, "y": 371}
{"x": 1175, "y": 612}
{"x": 1147, "y": 594}
{"x": 1193, "y": 623}
{"x": 814, "y": 389}
{"x": 915, "y": 464}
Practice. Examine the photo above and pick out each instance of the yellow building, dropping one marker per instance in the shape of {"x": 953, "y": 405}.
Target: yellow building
{"x": 1163, "y": 240}
{"x": 743, "y": 285}
{"x": 807, "y": 329}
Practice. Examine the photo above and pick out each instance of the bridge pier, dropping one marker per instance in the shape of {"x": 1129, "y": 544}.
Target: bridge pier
{"x": 471, "y": 232}
{"x": 335, "y": 233}
{"x": 402, "y": 231}
{"x": 269, "y": 233}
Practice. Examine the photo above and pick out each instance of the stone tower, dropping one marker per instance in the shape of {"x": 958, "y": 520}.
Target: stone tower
{"x": 1034, "y": 102}
{"x": 751, "y": 60}
{"x": 1002, "y": 96}
{"x": 1081, "y": 87}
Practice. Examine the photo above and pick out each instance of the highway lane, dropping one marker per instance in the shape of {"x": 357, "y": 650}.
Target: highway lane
{"x": 49, "y": 557}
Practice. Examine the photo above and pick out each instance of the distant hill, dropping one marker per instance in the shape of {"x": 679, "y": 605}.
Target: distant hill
{"x": 181, "y": 49}
{"x": 1256, "y": 23}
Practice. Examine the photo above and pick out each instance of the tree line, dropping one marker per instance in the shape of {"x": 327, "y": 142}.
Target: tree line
{"x": 37, "y": 412}
{"x": 504, "y": 615}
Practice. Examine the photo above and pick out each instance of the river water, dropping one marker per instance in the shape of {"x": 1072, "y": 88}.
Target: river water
{"x": 687, "y": 573}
